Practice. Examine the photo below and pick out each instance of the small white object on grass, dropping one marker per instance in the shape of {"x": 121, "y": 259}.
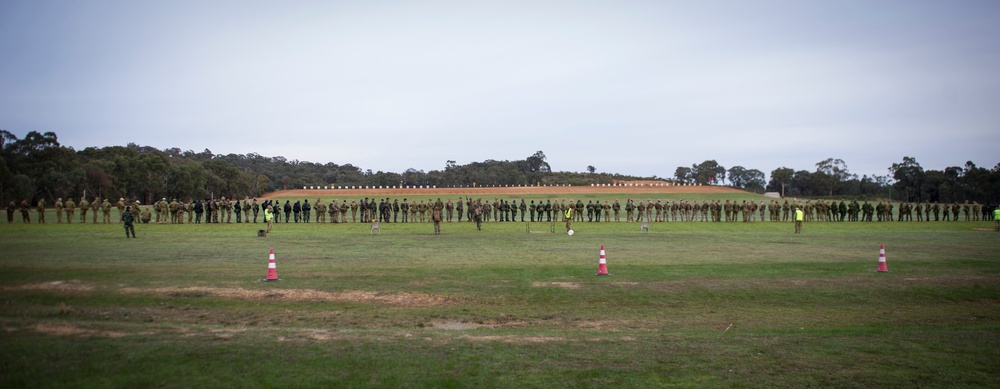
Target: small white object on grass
{"x": 570, "y": 232}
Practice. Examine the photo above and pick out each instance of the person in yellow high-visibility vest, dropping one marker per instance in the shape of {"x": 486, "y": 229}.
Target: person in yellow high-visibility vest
{"x": 569, "y": 219}
{"x": 799, "y": 215}
{"x": 996, "y": 219}
{"x": 268, "y": 217}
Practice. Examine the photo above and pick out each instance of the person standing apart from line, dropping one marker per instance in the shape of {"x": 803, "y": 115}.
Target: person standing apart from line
{"x": 798, "y": 220}
{"x": 436, "y": 218}
{"x": 268, "y": 218}
{"x": 127, "y": 219}
{"x": 996, "y": 219}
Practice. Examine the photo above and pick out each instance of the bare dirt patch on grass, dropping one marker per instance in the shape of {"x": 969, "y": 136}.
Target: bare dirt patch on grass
{"x": 458, "y": 325}
{"x": 68, "y": 329}
{"x": 57, "y": 286}
{"x": 393, "y": 299}
{"x": 513, "y": 339}
{"x": 564, "y": 285}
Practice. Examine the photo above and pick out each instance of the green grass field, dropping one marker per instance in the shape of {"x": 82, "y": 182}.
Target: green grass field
{"x": 689, "y": 304}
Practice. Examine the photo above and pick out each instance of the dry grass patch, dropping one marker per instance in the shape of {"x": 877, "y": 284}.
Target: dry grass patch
{"x": 392, "y": 299}
{"x": 458, "y": 325}
{"x": 68, "y": 329}
{"x": 513, "y": 339}
{"x": 564, "y": 285}
{"x": 56, "y": 286}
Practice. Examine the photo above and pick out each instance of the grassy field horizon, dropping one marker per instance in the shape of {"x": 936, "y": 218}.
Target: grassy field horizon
{"x": 688, "y": 304}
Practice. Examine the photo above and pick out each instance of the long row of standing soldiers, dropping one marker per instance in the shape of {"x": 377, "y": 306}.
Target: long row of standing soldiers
{"x": 499, "y": 210}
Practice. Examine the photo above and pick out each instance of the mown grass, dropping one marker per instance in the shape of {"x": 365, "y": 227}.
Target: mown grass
{"x": 689, "y": 304}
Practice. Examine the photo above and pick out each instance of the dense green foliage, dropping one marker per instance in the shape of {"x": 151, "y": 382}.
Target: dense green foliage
{"x": 907, "y": 182}
{"x": 37, "y": 166}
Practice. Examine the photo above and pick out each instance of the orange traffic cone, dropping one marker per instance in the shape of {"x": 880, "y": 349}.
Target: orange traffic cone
{"x": 602, "y": 265}
{"x": 882, "y": 267}
{"x": 272, "y": 270}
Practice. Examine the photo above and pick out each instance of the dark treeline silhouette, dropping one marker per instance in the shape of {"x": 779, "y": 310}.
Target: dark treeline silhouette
{"x": 37, "y": 166}
{"x": 905, "y": 181}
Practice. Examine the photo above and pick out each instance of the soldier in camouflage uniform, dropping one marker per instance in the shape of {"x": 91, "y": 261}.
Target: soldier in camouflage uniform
{"x": 70, "y": 209}
{"x": 127, "y": 218}
{"x": 59, "y": 209}
{"x": 181, "y": 207}
{"x": 40, "y": 207}
{"x": 227, "y": 206}
{"x": 106, "y": 211}
{"x": 173, "y": 209}
{"x": 436, "y": 218}
{"x": 477, "y": 214}
{"x": 156, "y": 209}
{"x": 487, "y": 209}
{"x": 320, "y": 211}
{"x": 504, "y": 209}
{"x": 120, "y": 204}
{"x": 439, "y": 205}
{"x": 84, "y": 207}
{"x": 25, "y": 211}
{"x": 343, "y": 211}
{"x": 145, "y": 216}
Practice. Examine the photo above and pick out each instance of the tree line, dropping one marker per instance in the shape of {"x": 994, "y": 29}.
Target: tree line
{"x": 37, "y": 166}
{"x": 905, "y": 181}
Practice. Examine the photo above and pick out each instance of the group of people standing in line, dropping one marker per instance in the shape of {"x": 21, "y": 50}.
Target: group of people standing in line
{"x": 389, "y": 210}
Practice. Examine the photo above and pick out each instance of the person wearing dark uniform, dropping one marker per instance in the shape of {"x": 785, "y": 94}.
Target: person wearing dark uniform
{"x": 127, "y": 219}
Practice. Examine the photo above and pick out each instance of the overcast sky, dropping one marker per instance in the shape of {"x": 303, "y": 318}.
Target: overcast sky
{"x": 631, "y": 87}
